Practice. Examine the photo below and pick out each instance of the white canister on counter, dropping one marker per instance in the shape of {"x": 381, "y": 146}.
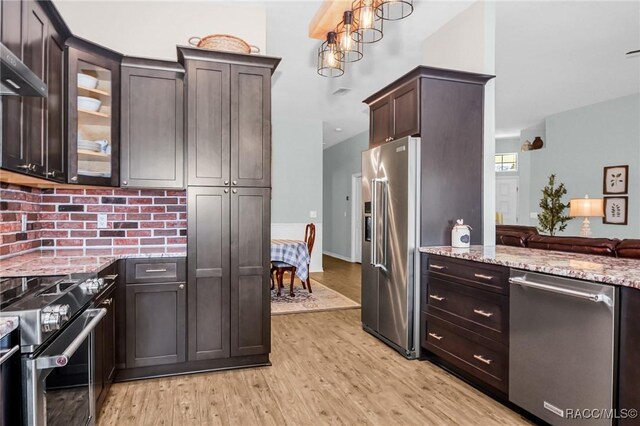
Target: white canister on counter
{"x": 460, "y": 235}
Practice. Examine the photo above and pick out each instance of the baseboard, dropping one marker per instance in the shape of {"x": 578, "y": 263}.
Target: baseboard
{"x": 337, "y": 256}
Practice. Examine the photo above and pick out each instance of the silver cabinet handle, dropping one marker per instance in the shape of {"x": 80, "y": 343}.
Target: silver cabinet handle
{"x": 5, "y": 355}
{"x": 107, "y": 302}
{"x": 436, "y": 297}
{"x": 483, "y": 313}
{"x": 226, "y": 182}
{"x": 125, "y": 183}
{"x": 436, "y": 336}
{"x": 560, "y": 290}
{"x": 75, "y": 179}
{"x": 235, "y": 191}
{"x": 156, "y": 270}
{"x": 112, "y": 277}
{"x": 226, "y": 191}
{"x": 25, "y": 166}
{"x": 181, "y": 286}
{"x": 51, "y": 174}
{"x": 437, "y": 267}
{"x": 62, "y": 359}
{"x": 235, "y": 182}
{"x": 483, "y": 359}
{"x": 483, "y": 277}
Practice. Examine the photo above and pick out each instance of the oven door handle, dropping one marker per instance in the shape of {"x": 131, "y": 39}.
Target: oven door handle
{"x": 61, "y": 360}
{"x": 5, "y": 355}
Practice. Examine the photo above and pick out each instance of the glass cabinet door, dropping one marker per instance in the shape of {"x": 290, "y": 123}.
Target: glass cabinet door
{"x": 93, "y": 118}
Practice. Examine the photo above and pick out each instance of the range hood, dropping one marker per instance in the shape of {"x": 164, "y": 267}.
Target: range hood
{"x": 16, "y": 78}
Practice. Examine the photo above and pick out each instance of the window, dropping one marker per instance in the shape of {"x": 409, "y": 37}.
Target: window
{"x": 507, "y": 162}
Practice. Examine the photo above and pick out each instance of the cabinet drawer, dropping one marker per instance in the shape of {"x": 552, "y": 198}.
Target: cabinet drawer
{"x": 477, "y": 274}
{"x": 483, "y": 312}
{"x": 155, "y": 270}
{"x": 482, "y": 358}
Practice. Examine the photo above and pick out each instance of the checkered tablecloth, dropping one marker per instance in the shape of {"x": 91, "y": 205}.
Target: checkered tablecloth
{"x": 294, "y": 253}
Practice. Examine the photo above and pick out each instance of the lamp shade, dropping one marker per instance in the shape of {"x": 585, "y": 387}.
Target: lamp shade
{"x": 586, "y": 207}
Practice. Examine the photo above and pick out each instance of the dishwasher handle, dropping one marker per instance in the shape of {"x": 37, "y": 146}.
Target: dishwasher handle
{"x": 593, "y": 297}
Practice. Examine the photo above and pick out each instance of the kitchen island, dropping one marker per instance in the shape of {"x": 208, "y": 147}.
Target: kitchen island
{"x": 505, "y": 318}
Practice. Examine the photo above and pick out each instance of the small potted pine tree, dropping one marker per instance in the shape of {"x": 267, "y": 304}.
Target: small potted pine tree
{"x": 552, "y": 219}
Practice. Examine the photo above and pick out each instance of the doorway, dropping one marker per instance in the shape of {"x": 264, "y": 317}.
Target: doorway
{"x": 356, "y": 218}
{"x": 507, "y": 200}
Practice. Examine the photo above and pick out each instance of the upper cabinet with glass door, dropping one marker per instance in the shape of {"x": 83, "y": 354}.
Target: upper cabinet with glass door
{"x": 93, "y": 125}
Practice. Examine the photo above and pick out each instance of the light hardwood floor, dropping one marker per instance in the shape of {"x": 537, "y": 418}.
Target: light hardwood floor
{"x": 341, "y": 276}
{"x": 326, "y": 370}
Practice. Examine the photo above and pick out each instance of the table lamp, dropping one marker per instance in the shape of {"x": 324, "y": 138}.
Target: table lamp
{"x": 586, "y": 207}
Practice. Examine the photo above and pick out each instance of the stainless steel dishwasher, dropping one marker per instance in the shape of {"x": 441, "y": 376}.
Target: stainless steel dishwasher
{"x": 562, "y": 348}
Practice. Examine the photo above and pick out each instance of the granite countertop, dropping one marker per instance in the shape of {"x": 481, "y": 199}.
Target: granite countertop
{"x": 71, "y": 261}
{"x": 7, "y": 325}
{"x": 603, "y": 269}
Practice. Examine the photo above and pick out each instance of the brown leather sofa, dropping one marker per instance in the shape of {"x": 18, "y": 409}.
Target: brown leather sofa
{"x": 527, "y": 236}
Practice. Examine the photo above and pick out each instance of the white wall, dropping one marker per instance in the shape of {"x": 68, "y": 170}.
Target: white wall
{"x": 467, "y": 43}
{"x": 296, "y": 179}
{"x": 340, "y": 162}
{"x": 152, "y": 29}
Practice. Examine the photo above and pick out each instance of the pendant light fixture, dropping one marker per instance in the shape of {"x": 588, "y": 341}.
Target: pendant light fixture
{"x": 368, "y": 21}
{"x": 351, "y": 49}
{"x": 330, "y": 62}
{"x": 394, "y": 10}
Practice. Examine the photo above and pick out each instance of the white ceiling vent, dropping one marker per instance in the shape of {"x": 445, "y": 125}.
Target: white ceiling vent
{"x": 341, "y": 91}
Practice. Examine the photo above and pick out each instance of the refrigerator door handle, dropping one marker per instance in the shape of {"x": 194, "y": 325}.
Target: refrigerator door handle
{"x": 373, "y": 222}
{"x": 374, "y": 228}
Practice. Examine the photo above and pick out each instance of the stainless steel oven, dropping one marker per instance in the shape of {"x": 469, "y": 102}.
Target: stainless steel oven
{"x": 58, "y": 378}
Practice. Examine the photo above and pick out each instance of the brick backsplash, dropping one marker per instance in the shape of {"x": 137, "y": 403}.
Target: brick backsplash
{"x": 138, "y": 221}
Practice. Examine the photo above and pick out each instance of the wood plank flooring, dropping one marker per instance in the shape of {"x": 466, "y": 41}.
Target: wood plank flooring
{"x": 326, "y": 370}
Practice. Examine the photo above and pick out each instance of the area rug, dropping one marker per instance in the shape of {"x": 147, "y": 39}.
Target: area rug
{"x": 322, "y": 299}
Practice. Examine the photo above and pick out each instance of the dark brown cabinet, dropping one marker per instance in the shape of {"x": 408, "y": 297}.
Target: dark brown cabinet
{"x": 445, "y": 108}
{"x": 93, "y": 124}
{"x": 33, "y": 128}
{"x": 156, "y": 329}
{"x": 629, "y": 369}
{"x": 209, "y": 272}
{"x": 152, "y": 128}
{"x": 228, "y": 118}
{"x": 395, "y": 115}
{"x": 465, "y": 318}
{"x": 228, "y": 270}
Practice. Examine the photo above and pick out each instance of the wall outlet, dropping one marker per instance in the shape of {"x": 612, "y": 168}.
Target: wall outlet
{"x": 313, "y": 214}
{"x": 23, "y": 223}
{"x": 533, "y": 215}
{"x": 102, "y": 221}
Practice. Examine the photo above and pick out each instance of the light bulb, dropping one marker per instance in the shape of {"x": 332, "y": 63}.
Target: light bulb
{"x": 367, "y": 16}
{"x": 346, "y": 42}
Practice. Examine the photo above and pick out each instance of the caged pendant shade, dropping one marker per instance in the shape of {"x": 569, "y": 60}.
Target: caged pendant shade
{"x": 350, "y": 49}
{"x": 330, "y": 62}
{"x": 368, "y": 21}
{"x": 394, "y": 10}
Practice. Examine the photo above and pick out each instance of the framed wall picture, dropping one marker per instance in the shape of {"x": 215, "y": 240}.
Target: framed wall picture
{"x": 615, "y": 210}
{"x": 616, "y": 180}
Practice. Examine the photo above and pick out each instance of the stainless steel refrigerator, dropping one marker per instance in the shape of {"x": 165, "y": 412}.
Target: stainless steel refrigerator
{"x": 390, "y": 188}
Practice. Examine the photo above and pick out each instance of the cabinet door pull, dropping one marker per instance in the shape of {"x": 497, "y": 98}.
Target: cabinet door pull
{"x": 437, "y": 267}
{"x": 181, "y": 286}
{"x": 483, "y": 359}
{"x": 226, "y": 182}
{"x": 483, "y": 313}
{"x": 111, "y": 277}
{"x": 51, "y": 174}
{"x": 156, "y": 270}
{"x": 483, "y": 277}
{"x": 107, "y": 302}
{"x": 436, "y": 336}
{"x": 25, "y": 166}
{"x": 75, "y": 179}
{"x": 436, "y": 297}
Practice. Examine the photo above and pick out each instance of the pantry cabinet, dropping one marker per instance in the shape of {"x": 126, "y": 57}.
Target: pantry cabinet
{"x": 228, "y": 118}
{"x": 93, "y": 108}
{"x": 152, "y": 127}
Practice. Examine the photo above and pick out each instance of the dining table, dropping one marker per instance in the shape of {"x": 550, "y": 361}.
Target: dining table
{"x": 294, "y": 253}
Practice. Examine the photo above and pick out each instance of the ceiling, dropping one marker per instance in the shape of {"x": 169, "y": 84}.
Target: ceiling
{"x": 558, "y": 55}
{"x": 298, "y": 91}
{"x": 550, "y": 57}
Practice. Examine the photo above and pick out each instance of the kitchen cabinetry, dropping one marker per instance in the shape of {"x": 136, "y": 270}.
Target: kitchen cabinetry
{"x": 395, "y": 115}
{"x": 229, "y": 311}
{"x": 155, "y": 315}
{"x": 152, "y": 129}
{"x": 33, "y": 128}
{"x": 228, "y": 118}
{"x": 445, "y": 109}
{"x": 93, "y": 125}
{"x": 465, "y": 318}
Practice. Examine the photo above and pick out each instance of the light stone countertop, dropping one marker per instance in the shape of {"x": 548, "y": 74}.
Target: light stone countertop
{"x": 603, "y": 269}
{"x": 7, "y": 325}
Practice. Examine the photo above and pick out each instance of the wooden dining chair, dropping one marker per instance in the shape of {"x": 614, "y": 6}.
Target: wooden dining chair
{"x": 279, "y": 268}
